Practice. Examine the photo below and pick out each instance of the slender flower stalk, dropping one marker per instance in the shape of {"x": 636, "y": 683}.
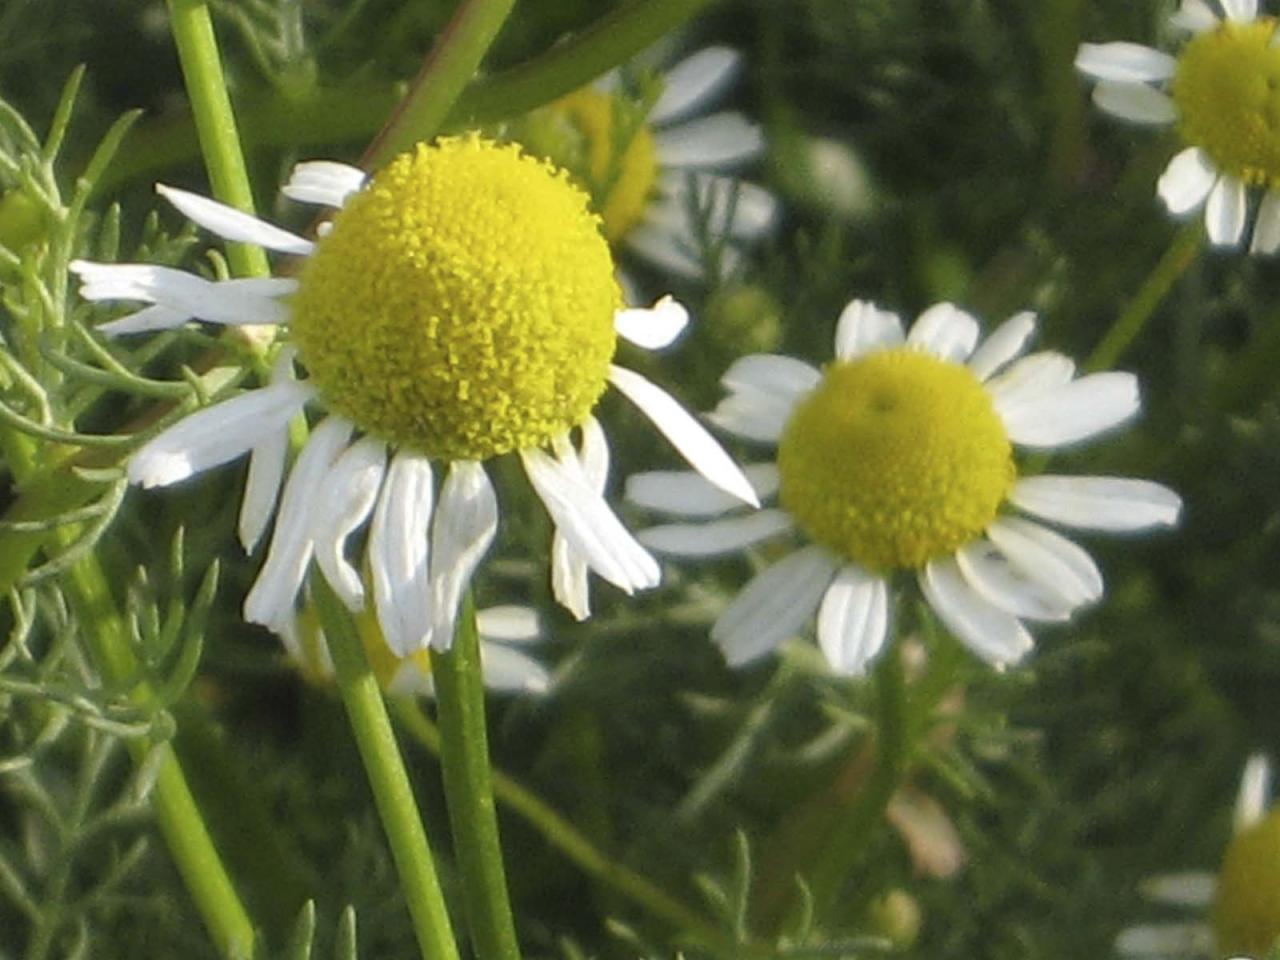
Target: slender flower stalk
{"x": 468, "y": 785}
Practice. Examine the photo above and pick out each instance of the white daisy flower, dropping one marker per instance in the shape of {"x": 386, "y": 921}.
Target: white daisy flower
{"x": 1221, "y": 93}
{"x": 674, "y": 164}
{"x": 898, "y": 457}
{"x": 461, "y": 306}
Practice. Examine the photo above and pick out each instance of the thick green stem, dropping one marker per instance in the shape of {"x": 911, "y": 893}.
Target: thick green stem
{"x": 215, "y": 123}
{"x": 447, "y": 70}
{"x": 469, "y": 791}
{"x": 387, "y": 777}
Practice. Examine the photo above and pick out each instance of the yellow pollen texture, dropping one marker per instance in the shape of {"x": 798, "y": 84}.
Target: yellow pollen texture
{"x": 895, "y": 458}
{"x": 462, "y": 305}
{"x": 622, "y": 183}
{"x": 1227, "y": 90}
{"x": 1246, "y": 909}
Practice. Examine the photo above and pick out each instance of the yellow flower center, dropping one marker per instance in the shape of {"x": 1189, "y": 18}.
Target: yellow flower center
{"x": 1227, "y": 90}
{"x": 1246, "y": 909}
{"x": 462, "y": 305}
{"x": 618, "y": 164}
{"x": 895, "y": 458}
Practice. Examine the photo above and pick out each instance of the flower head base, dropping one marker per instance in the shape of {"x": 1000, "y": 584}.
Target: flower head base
{"x": 858, "y": 478}
{"x": 434, "y": 319}
{"x": 1227, "y": 90}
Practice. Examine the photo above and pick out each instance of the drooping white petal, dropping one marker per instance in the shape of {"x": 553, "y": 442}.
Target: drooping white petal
{"x": 1135, "y": 102}
{"x": 670, "y": 251}
{"x": 351, "y": 487}
{"x": 1266, "y": 228}
{"x": 323, "y": 183}
{"x": 1114, "y": 504}
{"x": 717, "y": 536}
{"x": 398, "y": 553}
{"x": 262, "y": 487}
{"x": 994, "y": 635}
{"x": 945, "y": 331}
{"x": 1006, "y": 585}
{"x": 1191, "y": 888}
{"x": 1049, "y": 557}
{"x": 863, "y": 326}
{"x": 465, "y": 524}
{"x": 694, "y": 82}
{"x": 184, "y": 295}
{"x": 853, "y": 621}
{"x": 506, "y": 669}
{"x": 1194, "y": 16}
{"x": 1242, "y": 11}
{"x": 774, "y": 605}
{"x": 569, "y": 583}
{"x": 271, "y": 599}
{"x": 652, "y": 327}
{"x": 232, "y": 224}
{"x": 689, "y": 437}
{"x": 1029, "y": 377}
{"x": 1073, "y": 412}
{"x": 1124, "y": 62}
{"x": 1165, "y": 941}
{"x": 589, "y": 525}
{"x": 1005, "y": 345}
{"x": 1224, "y": 213}
{"x": 686, "y": 494}
{"x": 217, "y": 434}
{"x": 720, "y": 141}
{"x": 1254, "y": 796}
{"x": 1187, "y": 180}
{"x": 146, "y": 320}
{"x": 510, "y": 623}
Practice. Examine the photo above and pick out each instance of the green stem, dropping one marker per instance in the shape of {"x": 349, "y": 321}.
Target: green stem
{"x": 449, "y": 67}
{"x": 387, "y": 777}
{"x": 611, "y": 40}
{"x": 566, "y": 838}
{"x": 469, "y": 790}
{"x": 1181, "y": 253}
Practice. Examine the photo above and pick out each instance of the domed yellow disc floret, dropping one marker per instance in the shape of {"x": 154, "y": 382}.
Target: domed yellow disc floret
{"x": 1246, "y": 909}
{"x": 895, "y": 458}
{"x": 462, "y": 305}
{"x": 622, "y": 183}
{"x": 1227, "y": 90}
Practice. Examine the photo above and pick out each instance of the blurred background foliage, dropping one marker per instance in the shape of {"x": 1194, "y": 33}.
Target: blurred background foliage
{"x": 924, "y": 150}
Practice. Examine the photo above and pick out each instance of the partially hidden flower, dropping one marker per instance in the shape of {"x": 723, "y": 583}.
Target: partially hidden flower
{"x": 460, "y": 306}
{"x": 1222, "y": 93}
{"x": 895, "y": 459}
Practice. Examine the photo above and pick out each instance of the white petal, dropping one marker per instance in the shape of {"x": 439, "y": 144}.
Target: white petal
{"x": 1242, "y": 11}
{"x": 146, "y": 320}
{"x": 1224, "y": 214}
{"x": 1112, "y": 504}
{"x": 728, "y": 207}
{"x": 569, "y": 583}
{"x": 217, "y": 434}
{"x": 1004, "y": 584}
{"x": 1189, "y": 889}
{"x": 773, "y": 606}
{"x": 988, "y": 631}
{"x": 772, "y": 373}
{"x": 262, "y": 487}
{"x": 323, "y": 183}
{"x": 510, "y": 623}
{"x": 589, "y": 525}
{"x": 1135, "y": 102}
{"x": 1266, "y": 228}
{"x": 1050, "y": 558}
{"x": 657, "y": 244}
{"x": 351, "y": 487}
{"x": 1124, "y": 62}
{"x": 853, "y": 620}
{"x": 184, "y": 295}
{"x": 945, "y": 331}
{"x": 1254, "y": 796}
{"x": 1187, "y": 180}
{"x": 1005, "y": 344}
{"x": 688, "y": 436}
{"x": 1029, "y": 377}
{"x": 1164, "y": 941}
{"x": 694, "y": 82}
{"x": 718, "y": 536}
{"x": 1194, "y": 16}
{"x": 687, "y": 494}
{"x": 271, "y": 599}
{"x": 398, "y": 553}
{"x": 1076, "y": 411}
{"x": 232, "y": 224}
{"x": 465, "y": 524}
{"x": 505, "y": 669}
{"x": 720, "y": 141}
{"x": 863, "y": 326}
{"x": 652, "y": 327}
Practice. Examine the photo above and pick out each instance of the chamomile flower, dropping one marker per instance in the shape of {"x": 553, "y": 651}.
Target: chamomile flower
{"x": 650, "y": 184}
{"x": 461, "y": 306}
{"x": 1222, "y": 92}
{"x": 898, "y": 458}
